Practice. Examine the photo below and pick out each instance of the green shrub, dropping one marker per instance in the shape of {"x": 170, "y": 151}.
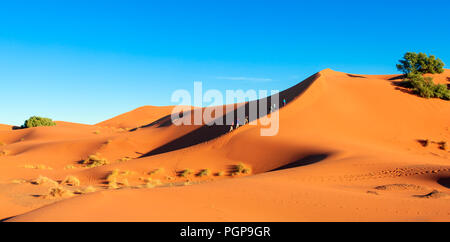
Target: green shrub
{"x": 425, "y": 87}
{"x": 420, "y": 63}
{"x": 38, "y": 121}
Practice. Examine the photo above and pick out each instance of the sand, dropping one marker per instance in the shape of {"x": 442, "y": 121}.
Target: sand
{"x": 350, "y": 148}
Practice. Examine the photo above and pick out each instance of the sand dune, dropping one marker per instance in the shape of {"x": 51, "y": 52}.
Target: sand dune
{"x": 350, "y": 148}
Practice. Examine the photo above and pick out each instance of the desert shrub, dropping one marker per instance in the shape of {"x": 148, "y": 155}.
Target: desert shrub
{"x": 420, "y": 63}
{"x": 42, "y": 180}
{"x": 240, "y": 169}
{"x": 425, "y": 87}
{"x": 204, "y": 172}
{"x": 95, "y": 161}
{"x": 36, "y": 121}
{"x": 71, "y": 181}
{"x": 116, "y": 178}
{"x": 186, "y": 173}
{"x": 58, "y": 192}
{"x": 4, "y": 152}
{"x": 123, "y": 159}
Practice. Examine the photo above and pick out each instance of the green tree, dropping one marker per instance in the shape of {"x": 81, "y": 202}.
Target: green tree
{"x": 36, "y": 121}
{"x": 420, "y": 63}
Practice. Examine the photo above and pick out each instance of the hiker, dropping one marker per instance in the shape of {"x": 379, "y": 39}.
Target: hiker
{"x": 246, "y": 120}
{"x": 231, "y": 127}
{"x": 284, "y": 102}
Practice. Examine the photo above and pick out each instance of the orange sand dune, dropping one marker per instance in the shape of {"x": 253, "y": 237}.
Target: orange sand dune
{"x": 5, "y": 127}
{"x": 350, "y": 148}
{"x": 138, "y": 117}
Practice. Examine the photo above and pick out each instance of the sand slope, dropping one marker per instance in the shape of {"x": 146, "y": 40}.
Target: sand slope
{"x": 349, "y": 148}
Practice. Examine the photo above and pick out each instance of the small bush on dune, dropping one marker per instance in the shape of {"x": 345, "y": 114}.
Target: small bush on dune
{"x": 71, "y": 181}
{"x": 241, "y": 169}
{"x": 425, "y": 87}
{"x": 36, "y": 121}
{"x": 95, "y": 161}
{"x": 186, "y": 173}
{"x": 4, "y": 152}
{"x": 42, "y": 180}
{"x": 116, "y": 178}
{"x": 205, "y": 172}
{"x": 58, "y": 192}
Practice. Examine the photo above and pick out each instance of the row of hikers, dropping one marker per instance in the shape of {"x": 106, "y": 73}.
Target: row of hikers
{"x": 272, "y": 109}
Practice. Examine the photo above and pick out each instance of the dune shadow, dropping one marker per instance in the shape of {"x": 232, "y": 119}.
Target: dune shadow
{"x": 211, "y": 130}
{"x": 304, "y": 161}
{"x": 357, "y": 76}
{"x": 163, "y": 122}
{"x": 5, "y": 219}
{"x": 444, "y": 182}
{"x": 400, "y": 77}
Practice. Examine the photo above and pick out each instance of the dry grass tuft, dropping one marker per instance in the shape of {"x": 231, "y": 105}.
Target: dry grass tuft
{"x": 71, "y": 181}
{"x": 204, "y": 172}
{"x": 240, "y": 169}
{"x": 58, "y": 192}
{"x": 43, "y": 180}
{"x": 116, "y": 179}
{"x": 185, "y": 173}
{"x": 38, "y": 167}
{"x": 123, "y": 159}
{"x": 4, "y": 152}
{"x": 95, "y": 161}
{"x": 68, "y": 167}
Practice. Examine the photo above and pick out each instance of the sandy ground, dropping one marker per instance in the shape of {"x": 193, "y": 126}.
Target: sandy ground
{"x": 349, "y": 148}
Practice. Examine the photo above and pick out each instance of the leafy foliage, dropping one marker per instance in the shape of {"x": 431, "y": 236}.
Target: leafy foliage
{"x": 420, "y": 63}
{"x": 36, "y": 121}
{"x": 425, "y": 87}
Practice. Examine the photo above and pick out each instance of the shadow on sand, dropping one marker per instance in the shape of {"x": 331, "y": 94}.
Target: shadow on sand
{"x": 208, "y": 132}
{"x": 307, "y": 160}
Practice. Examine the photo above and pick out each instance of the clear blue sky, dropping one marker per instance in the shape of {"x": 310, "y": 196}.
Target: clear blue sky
{"x": 87, "y": 61}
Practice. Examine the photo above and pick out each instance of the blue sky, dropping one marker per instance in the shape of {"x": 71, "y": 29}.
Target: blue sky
{"x": 87, "y": 61}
